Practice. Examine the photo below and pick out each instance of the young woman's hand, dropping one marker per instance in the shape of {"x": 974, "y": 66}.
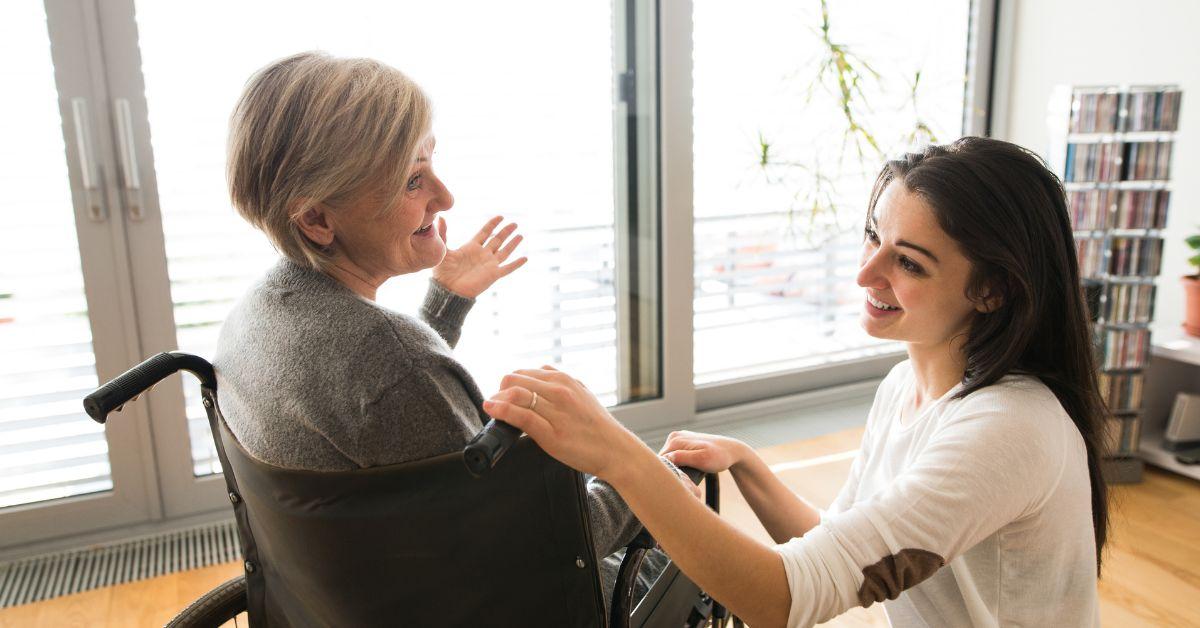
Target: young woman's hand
{"x": 473, "y": 267}
{"x": 691, "y": 486}
{"x": 566, "y": 420}
{"x": 707, "y": 452}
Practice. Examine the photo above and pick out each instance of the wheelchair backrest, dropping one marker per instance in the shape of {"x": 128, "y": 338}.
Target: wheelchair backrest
{"x": 421, "y": 544}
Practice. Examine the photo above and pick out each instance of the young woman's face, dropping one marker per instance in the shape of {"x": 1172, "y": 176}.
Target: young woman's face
{"x": 914, "y": 274}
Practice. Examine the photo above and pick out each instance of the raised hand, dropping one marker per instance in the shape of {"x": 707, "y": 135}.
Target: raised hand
{"x": 473, "y": 267}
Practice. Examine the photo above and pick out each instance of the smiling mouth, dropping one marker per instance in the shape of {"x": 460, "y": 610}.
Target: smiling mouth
{"x": 423, "y": 230}
{"x": 881, "y": 305}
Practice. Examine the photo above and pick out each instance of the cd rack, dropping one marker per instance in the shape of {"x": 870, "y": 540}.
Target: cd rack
{"x": 1112, "y": 146}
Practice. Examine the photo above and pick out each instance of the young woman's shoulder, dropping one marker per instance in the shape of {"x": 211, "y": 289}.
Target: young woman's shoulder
{"x": 1018, "y": 406}
{"x": 1016, "y": 391}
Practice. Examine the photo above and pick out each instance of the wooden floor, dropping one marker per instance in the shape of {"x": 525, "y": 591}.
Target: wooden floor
{"x": 1152, "y": 569}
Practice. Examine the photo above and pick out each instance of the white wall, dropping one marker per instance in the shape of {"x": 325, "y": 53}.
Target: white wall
{"x": 1100, "y": 42}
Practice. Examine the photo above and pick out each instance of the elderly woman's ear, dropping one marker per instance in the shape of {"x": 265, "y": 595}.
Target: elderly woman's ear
{"x": 316, "y": 224}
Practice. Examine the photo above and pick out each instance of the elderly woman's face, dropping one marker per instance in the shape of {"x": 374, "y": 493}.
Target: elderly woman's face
{"x": 403, "y": 238}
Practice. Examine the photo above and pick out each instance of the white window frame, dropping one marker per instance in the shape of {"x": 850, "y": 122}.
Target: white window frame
{"x": 664, "y": 99}
{"x": 74, "y": 35}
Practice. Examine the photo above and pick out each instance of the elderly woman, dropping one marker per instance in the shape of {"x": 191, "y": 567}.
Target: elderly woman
{"x": 332, "y": 159}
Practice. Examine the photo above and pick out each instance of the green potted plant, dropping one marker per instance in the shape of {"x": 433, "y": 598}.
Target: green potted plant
{"x": 1191, "y": 289}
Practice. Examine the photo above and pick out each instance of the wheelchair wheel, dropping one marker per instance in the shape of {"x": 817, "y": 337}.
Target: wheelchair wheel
{"x": 221, "y": 605}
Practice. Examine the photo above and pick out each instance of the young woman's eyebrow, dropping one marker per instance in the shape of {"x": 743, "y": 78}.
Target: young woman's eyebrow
{"x": 906, "y": 243}
{"x": 872, "y": 223}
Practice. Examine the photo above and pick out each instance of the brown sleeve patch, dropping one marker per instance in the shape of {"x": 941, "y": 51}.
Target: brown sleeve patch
{"x": 892, "y": 574}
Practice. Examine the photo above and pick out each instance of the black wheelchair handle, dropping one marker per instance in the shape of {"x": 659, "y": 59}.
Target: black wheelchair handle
{"x": 489, "y": 446}
{"x": 694, "y": 474}
{"x": 136, "y": 380}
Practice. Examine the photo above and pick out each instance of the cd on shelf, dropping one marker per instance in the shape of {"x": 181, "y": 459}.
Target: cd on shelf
{"x": 1098, "y": 110}
{"x": 1130, "y": 303}
{"x": 1122, "y": 392}
{"x": 1124, "y": 348}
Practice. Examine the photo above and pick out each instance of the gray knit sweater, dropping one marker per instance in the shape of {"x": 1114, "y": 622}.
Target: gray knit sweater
{"x": 312, "y": 376}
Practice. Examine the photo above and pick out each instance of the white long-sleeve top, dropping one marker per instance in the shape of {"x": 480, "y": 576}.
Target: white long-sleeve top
{"x": 974, "y": 512}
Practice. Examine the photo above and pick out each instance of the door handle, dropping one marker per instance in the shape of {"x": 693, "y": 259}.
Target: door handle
{"x": 89, "y": 175}
{"x": 130, "y": 176}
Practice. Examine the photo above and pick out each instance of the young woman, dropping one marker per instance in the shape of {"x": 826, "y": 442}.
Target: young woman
{"x": 976, "y": 497}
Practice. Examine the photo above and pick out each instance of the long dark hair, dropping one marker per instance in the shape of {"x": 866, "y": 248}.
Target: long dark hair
{"x": 1009, "y": 215}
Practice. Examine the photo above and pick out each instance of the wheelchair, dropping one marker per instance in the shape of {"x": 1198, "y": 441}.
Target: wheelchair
{"x": 456, "y": 539}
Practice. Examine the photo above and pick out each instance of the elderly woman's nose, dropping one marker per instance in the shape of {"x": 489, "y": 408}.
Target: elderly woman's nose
{"x": 443, "y": 200}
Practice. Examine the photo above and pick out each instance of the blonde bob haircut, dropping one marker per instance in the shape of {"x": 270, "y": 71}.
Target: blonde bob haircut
{"x": 312, "y": 128}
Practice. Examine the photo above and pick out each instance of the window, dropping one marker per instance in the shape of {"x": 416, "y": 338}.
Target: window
{"x": 50, "y": 448}
{"x": 781, "y": 177}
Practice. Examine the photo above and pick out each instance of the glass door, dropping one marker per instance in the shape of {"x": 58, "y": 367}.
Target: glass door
{"x": 63, "y": 309}
{"x": 527, "y": 131}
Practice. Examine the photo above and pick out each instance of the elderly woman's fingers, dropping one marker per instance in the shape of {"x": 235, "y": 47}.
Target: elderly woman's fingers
{"x": 486, "y": 231}
{"x": 442, "y": 228}
{"x": 507, "y": 249}
{"x": 507, "y": 269}
{"x": 497, "y": 240}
